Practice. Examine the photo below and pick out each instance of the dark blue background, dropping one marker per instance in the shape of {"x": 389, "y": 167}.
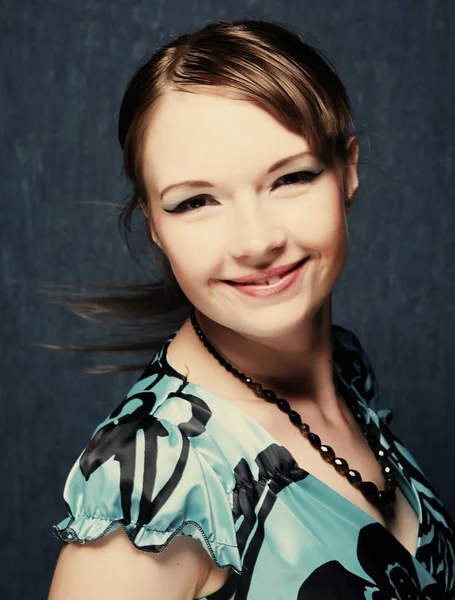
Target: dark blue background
{"x": 64, "y": 69}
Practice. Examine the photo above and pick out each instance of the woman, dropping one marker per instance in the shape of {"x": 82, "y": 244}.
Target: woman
{"x": 249, "y": 459}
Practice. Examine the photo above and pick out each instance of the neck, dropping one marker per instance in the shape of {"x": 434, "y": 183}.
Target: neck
{"x": 297, "y": 366}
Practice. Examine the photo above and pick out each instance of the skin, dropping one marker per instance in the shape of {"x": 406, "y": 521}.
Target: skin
{"x": 248, "y": 222}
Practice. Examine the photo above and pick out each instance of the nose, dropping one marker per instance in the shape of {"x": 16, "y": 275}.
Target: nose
{"x": 254, "y": 234}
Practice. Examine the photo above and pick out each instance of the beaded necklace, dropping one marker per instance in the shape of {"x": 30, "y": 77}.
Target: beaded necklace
{"x": 367, "y": 488}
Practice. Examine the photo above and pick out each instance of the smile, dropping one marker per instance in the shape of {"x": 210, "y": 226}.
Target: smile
{"x": 272, "y": 286}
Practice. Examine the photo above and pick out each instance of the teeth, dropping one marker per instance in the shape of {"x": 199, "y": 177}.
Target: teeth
{"x": 270, "y": 281}
{"x": 273, "y": 280}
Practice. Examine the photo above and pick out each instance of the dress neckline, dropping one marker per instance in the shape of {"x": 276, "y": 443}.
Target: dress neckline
{"x": 269, "y": 439}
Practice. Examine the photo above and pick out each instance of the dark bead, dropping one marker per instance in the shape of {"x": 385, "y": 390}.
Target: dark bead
{"x": 366, "y": 427}
{"x": 369, "y": 490}
{"x": 381, "y": 497}
{"x": 386, "y": 497}
{"x": 304, "y": 428}
{"x": 315, "y": 440}
{"x": 388, "y": 471}
{"x": 381, "y": 456}
{"x": 374, "y": 430}
{"x": 228, "y": 367}
{"x": 369, "y": 429}
{"x": 341, "y": 466}
{"x": 390, "y": 484}
{"x": 374, "y": 445}
{"x": 269, "y": 395}
{"x": 257, "y": 387}
{"x": 373, "y": 440}
{"x": 294, "y": 417}
{"x": 223, "y": 361}
{"x": 235, "y": 372}
{"x": 283, "y": 405}
{"x": 249, "y": 381}
{"x": 327, "y": 453}
{"x": 354, "y": 477}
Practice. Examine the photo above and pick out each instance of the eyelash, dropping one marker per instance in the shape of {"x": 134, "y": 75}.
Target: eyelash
{"x": 306, "y": 176}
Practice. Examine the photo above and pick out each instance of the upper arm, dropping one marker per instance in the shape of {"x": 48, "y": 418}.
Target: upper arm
{"x": 141, "y": 473}
{"x": 113, "y": 568}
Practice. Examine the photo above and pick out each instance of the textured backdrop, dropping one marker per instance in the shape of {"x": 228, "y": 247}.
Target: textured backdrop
{"x": 64, "y": 68}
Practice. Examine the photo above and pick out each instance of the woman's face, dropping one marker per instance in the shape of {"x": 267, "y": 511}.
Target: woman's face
{"x": 243, "y": 219}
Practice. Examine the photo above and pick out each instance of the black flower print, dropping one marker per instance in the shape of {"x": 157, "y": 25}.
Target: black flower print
{"x": 387, "y": 563}
{"x": 437, "y": 549}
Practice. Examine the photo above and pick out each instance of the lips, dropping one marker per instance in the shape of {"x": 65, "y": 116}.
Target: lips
{"x": 264, "y": 279}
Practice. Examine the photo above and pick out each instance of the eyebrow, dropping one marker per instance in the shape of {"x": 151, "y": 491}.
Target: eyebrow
{"x": 198, "y": 183}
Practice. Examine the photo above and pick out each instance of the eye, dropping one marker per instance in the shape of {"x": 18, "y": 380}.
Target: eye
{"x": 296, "y": 178}
{"x": 183, "y": 206}
{"x": 197, "y": 202}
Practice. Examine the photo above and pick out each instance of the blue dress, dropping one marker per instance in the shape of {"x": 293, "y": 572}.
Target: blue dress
{"x": 176, "y": 459}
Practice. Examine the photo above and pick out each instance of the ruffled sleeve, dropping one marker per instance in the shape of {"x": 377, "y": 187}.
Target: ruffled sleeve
{"x": 143, "y": 474}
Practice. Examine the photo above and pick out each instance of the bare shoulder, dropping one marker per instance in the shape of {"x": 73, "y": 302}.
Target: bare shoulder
{"x": 112, "y": 567}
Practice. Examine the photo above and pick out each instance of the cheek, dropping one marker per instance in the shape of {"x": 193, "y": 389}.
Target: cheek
{"x": 328, "y": 228}
{"x": 193, "y": 258}
{"x": 321, "y": 223}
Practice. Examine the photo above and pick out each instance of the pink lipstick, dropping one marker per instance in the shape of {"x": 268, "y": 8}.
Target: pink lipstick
{"x": 275, "y": 285}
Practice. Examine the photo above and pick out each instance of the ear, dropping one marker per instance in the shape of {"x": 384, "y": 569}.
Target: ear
{"x": 143, "y": 206}
{"x": 144, "y": 209}
{"x": 350, "y": 174}
{"x": 155, "y": 238}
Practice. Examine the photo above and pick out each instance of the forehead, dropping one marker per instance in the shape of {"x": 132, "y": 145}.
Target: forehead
{"x": 199, "y": 133}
